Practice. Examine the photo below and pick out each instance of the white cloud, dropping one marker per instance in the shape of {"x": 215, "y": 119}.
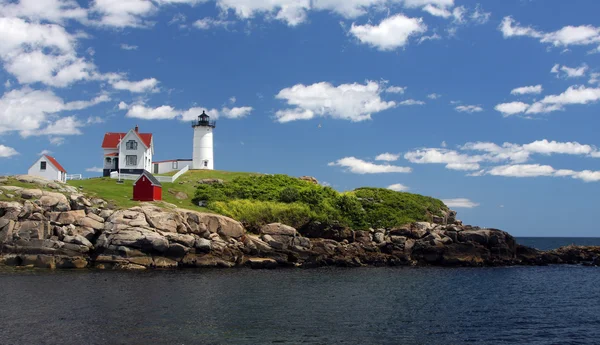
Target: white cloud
{"x": 522, "y": 170}
{"x": 429, "y": 38}
{"x": 434, "y": 96}
{"x": 208, "y": 23}
{"x": 167, "y": 112}
{"x": 145, "y": 85}
{"x": 389, "y": 157}
{"x": 395, "y": 89}
{"x": 44, "y": 152}
{"x": 94, "y": 169}
{"x": 354, "y": 102}
{"x": 128, "y": 47}
{"x": 391, "y": 33}
{"x": 569, "y": 72}
{"x": 8, "y": 84}
{"x": 27, "y": 110}
{"x": 57, "y": 141}
{"x": 292, "y": 12}
{"x": 45, "y": 53}
{"x": 511, "y": 108}
{"x": 452, "y": 159}
{"x": 437, "y": 11}
{"x": 460, "y": 203}
{"x": 6, "y": 151}
{"x": 443, "y": 144}
{"x": 534, "y": 89}
{"x": 55, "y": 11}
{"x": 398, "y": 187}
{"x": 468, "y": 108}
{"x": 358, "y": 166}
{"x": 123, "y": 13}
{"x": 479, "y": 16}
{"x": 411, "y": 102}
{"x": 550, "y": 103}
{"x": 69, "y": 125}
{"x": 92, "y": 120}
{"x": 566, "y": 36}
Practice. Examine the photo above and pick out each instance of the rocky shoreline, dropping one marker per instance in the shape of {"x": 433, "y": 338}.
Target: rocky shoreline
{"x": 65, "y": 229}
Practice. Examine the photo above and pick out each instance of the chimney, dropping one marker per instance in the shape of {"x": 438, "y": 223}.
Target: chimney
{"x": 137, "y": 129}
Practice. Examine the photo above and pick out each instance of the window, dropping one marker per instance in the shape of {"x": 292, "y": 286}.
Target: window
{"x": 108, "y": 160}
{"x": 42, "y": 165}
{"x": 131, "y": 145}
{"x": 131, "y": 160}
{"x": 206, "y": 163}
{"x": 175, "y": 165}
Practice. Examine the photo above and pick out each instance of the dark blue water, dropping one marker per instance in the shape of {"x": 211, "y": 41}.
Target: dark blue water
{"x": 546, "y": 243}
{"x": 513, "y": 305}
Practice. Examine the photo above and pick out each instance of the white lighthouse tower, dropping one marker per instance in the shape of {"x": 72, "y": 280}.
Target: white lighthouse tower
{"x": 203, "y": 143}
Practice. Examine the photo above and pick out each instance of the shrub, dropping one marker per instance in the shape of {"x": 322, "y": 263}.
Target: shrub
{"x": 263, "y": 199}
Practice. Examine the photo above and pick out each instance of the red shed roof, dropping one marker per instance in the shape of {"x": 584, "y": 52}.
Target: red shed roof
{"x": 55, "y": 163}
{"x": 111, "y": 140}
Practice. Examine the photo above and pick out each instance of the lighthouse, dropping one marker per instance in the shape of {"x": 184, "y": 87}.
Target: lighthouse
{"x": 203, "y": 143}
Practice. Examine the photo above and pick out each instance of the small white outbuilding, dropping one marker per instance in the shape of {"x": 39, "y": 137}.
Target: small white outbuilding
{"x": 48, "y": 168}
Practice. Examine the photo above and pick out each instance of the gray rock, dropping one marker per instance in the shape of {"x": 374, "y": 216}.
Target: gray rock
{"x": 278, "y": 229}
{"x": 69, "y": 217}
{"x": 90, "y": 223}
{"x": 78, "y": 239}
{"x": 203, "y": 245}
{"x": 95, "y": 217}
{"x": 379, "y": 237}
{"x": 31, "y": 193}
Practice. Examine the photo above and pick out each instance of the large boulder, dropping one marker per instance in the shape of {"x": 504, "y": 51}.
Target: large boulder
{"x": 278, "y": 229}
{"x": 10, "y": 210}
{"x": 161, "y": 219}
{"x": 88, "y": 222}
{"x": 215, "y": 223}
{"x": 139, "y": 238}
{"x": 31, "y": 193}
{"x": 65, "y": 218}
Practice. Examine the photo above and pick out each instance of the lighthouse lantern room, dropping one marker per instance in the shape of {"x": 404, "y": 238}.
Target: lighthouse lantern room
{"x": 203, "y": 143}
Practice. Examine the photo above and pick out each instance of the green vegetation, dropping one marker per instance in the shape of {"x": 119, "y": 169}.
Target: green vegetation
{"x": 120, "y": 194}
{"x": 258, "y": 200}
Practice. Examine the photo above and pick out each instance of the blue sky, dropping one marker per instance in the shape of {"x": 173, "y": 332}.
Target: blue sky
{"x": 491, "y": 106}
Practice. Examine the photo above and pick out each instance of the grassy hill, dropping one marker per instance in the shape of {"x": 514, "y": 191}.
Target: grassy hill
{"x": 256, "y": 199}
{"x": 120, "y": 194}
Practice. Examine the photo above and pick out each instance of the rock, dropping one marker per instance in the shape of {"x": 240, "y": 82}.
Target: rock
{"x": 31, "y": 193}
{"x": 53, "y": 185}
{"x": 6, "y": 231}
{"x": 139, "y": 238}
{"x": 10, "y": 210}
{"x": 177, "y": 250}
{"x": 379, "y": 237}
{"x": 71, "y": 262}
{"x": 399, "y": 240}
{"x": 278, "y": 229}
{"x": 33, "y": 230}
{"x": 90, "y": 223}
{"x": 438, "y": 220}
{"x": 261, "y": 263}
{"x": 161, "y": 262}
{"x": 54, "y": 200}
{"x": 363, "y": 237}
{"x": 95, "y": 217}
{"x": 207, "y": 260}
{"x": 222, "y": 225}
{"x": 159, "y": 219}
{"x": 186, "y": 240}
{"x": 309, "y": 179}
{"x": 65, "y": 218}
{"x": 211, "y": 181}
{"x": 203, "y": 245}
{"x": 78, "y": 239}
{"x": 178, "y": 195}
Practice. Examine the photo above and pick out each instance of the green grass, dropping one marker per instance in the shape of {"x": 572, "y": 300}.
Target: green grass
{"x": 120, "y": 195}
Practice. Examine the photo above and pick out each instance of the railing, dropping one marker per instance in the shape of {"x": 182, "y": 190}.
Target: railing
{"x": 74, "y": 177}
{"x": 165, "y": 179}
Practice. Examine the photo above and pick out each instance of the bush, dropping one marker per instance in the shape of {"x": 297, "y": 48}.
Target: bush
{"x": 259, "y": 200}
{"x": 254, "y": 214}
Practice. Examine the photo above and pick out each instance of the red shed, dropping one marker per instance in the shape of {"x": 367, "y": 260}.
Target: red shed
{"x": 147, "y": 188}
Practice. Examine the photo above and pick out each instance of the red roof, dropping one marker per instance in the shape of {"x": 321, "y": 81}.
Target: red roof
{"x": 114, "y": 154}
{"x": 111, "y": 140}
{"x": 55, "y": 163}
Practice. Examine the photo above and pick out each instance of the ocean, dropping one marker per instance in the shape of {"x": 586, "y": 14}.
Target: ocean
{"x": 395, "y": 305}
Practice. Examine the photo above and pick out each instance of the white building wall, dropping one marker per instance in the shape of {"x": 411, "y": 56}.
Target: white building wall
{"x": 51, "y": 173}
{"x": 144, "y": 156}
{"x": 203, "y": 148}
{"x": 111, "y": 164}
{"x": 165, "y": 167}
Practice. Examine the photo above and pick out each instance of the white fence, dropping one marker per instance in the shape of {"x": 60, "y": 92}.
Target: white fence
{"x": 165, "y": 179}
{"x": 74, "y": 177}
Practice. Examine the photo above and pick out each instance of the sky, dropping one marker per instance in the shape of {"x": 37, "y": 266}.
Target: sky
{"x": 491, "y": 106}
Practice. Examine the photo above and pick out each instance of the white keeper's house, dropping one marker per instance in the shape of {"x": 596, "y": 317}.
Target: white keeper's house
{"x": 129, "y": 153}
{"x": 48, "y": 168}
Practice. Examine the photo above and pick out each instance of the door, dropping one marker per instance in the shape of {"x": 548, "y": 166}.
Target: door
{"x": 156, "y": 168}
{"x": 116, "y": 163}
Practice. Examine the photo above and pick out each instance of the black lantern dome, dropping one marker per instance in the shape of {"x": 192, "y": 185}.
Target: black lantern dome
{"x": 204, "y": 121}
